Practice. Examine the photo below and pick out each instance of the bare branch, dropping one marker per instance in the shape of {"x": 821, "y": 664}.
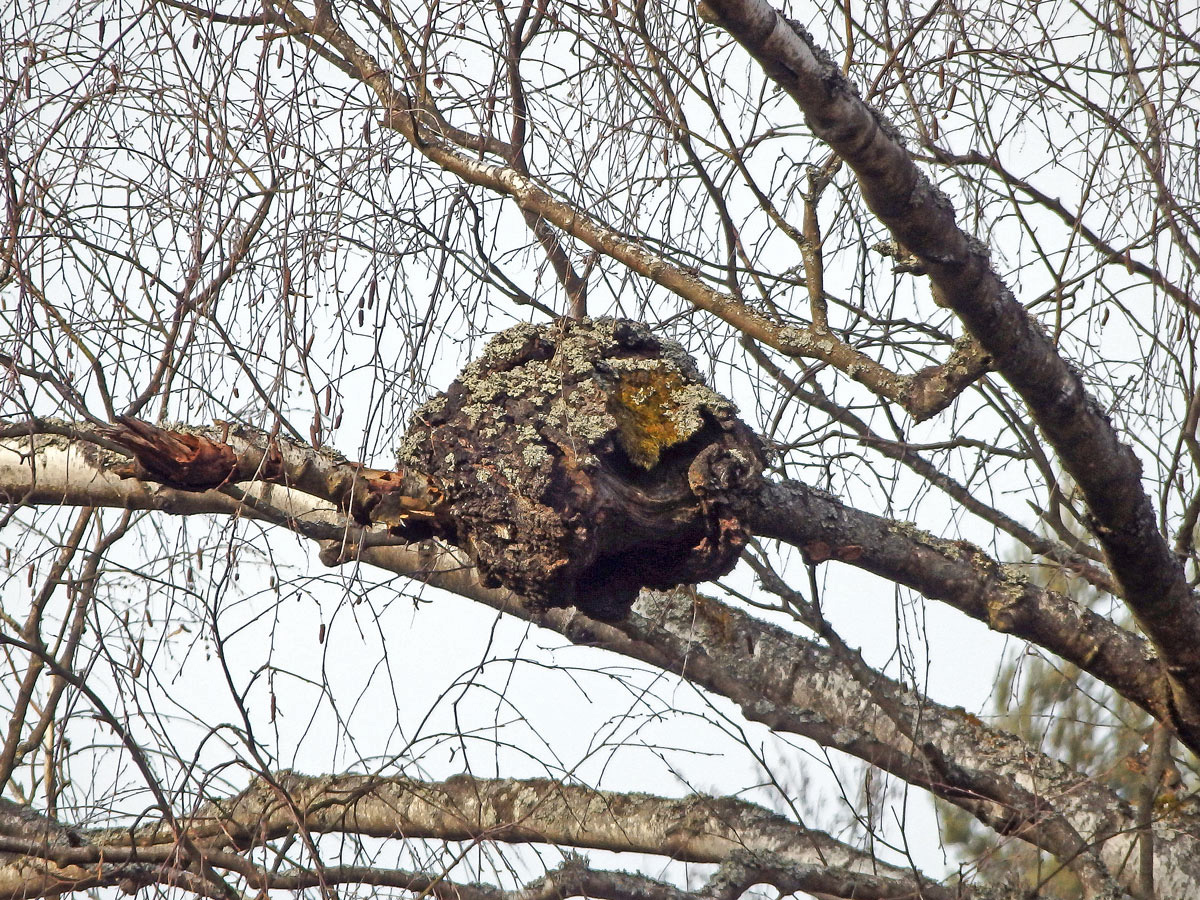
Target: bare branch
{"x": 751, "y": 843}
{"x": 1110, "y": 475}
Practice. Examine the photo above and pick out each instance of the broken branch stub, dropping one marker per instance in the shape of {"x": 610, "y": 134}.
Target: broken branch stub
{"x": 178, "y": 459}
{"x": 581, "y": 461}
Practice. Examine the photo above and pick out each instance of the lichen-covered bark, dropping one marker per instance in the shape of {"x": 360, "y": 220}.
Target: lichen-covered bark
{"x": 581, "y": 461}
{"x": 576, "y": 463}
{"x": 322, "y": 487}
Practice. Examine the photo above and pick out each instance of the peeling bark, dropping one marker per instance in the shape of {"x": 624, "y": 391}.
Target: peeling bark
{"x": 573, "y": 465}
{"x": 576, "y": 463}
{"x": 192, "y": 462}
{"x": 777, "y": 678}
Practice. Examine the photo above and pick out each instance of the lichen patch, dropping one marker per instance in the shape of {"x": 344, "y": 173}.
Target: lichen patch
{"x": 581, "y": 461}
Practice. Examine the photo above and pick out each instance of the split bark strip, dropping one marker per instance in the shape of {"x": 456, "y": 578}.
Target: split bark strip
{"x": 1152, "y": 579}
{"x": 209, "y": 459}
{"x": 921, "y": 395}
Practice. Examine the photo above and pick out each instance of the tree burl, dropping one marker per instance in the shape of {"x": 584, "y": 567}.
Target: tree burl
{"x": 581, "y": 461}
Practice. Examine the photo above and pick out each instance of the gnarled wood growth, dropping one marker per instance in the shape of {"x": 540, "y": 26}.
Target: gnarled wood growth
{"x": 584, "y": 460}
{"x": 576, "y": 463}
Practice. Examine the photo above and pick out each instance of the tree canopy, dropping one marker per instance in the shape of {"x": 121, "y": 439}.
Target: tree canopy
{"x": 362, "y": 363}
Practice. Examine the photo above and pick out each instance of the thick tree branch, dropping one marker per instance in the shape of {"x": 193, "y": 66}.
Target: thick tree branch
{"x": 1111, "y": 255}
{"x": 312, "y": 491}
{"x": 1073, "y": 561}
{"x": 777, "y": 678}
{"x": 961, "y": 575}
{"x": 922, "y": 219}
{"x": 793, "y": 685}
{"x": 751, "y": 844}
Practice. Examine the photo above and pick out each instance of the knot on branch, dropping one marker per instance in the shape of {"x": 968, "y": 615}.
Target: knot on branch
{"x": 584, "y": 460}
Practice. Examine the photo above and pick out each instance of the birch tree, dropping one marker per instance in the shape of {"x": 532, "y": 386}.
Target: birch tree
{"x": 519, "y": 450}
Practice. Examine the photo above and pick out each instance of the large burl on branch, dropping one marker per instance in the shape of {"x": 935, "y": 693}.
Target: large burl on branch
{"x": 576, "y": 463}
{"x": 585, "y": 460}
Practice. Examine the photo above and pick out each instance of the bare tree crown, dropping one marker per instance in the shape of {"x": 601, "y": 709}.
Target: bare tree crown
{"x": 840, "y": 356}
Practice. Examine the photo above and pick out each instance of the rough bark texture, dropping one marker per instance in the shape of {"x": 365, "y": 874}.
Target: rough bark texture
{"x": 962, "y": 575}
{"x": 584, "y": 460}
{"x": 576, "y": 463}
{"x": 751, "y": 844}
{"x": 1153, "y": 583}
{"x": 312, "y": 491}
{"x": 789, "y": 683}
{"x": 178, "y": 458}
{"x": 580, "y": 462}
